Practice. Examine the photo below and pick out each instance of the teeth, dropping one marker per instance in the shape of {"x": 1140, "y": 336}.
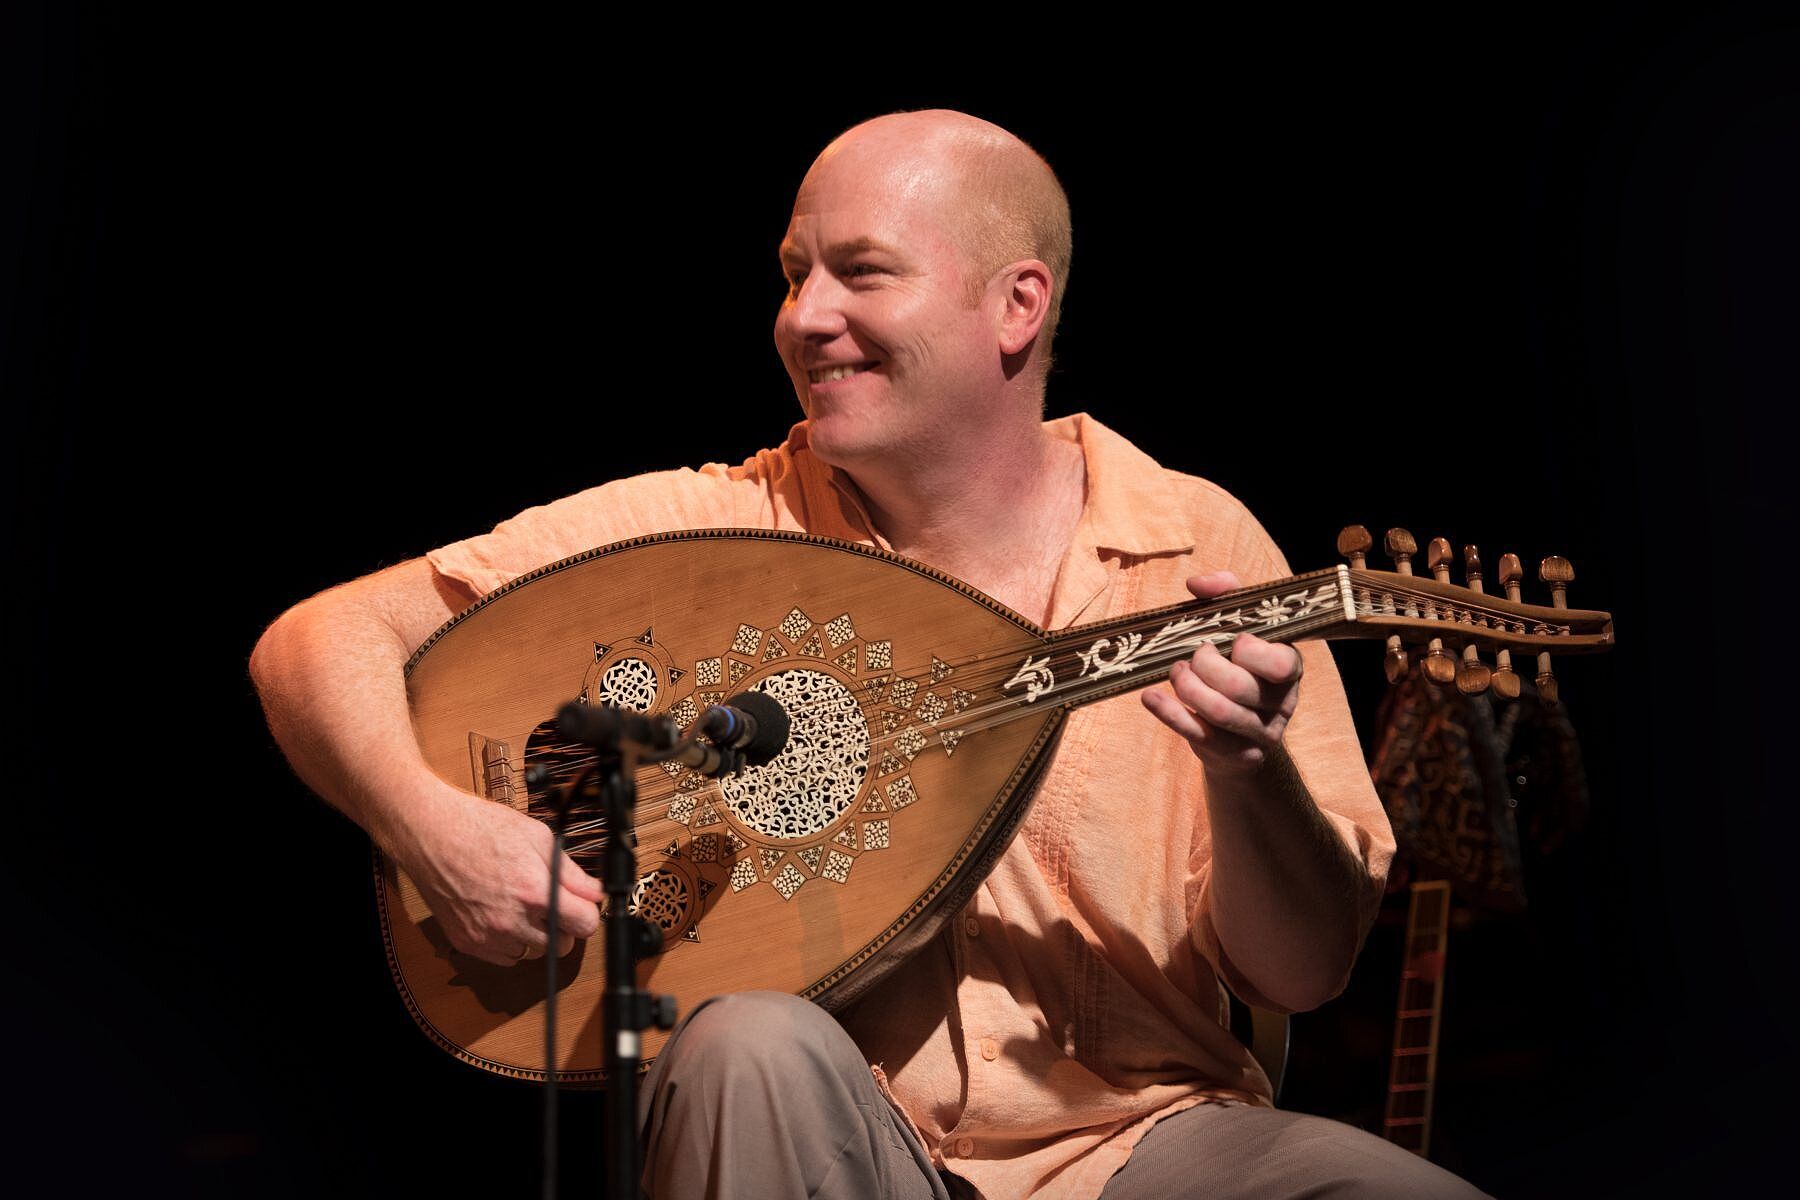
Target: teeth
{"x": 829, "y": 374}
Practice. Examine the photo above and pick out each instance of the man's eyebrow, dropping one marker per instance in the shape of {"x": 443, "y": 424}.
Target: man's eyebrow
{"x": 788, "y": 252}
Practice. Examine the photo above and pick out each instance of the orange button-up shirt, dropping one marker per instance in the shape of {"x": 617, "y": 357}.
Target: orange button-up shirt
{"x": 1079, "y": 997}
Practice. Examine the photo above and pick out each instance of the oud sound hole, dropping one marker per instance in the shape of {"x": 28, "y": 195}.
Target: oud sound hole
{"x": 816, "y": 779}
{"x": 661, "y": 898}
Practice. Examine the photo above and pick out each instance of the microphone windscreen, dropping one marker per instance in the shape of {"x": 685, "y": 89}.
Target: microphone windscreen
{"x": 771, "y": 726}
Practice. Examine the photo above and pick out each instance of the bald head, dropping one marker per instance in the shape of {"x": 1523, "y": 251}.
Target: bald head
{"x": 997, "y": 197}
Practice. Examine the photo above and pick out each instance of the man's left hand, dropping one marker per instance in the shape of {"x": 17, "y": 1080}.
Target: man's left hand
{"x": 1232, "y": 711}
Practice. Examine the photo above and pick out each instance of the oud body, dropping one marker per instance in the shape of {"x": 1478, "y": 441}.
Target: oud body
{"x": 811, "y": 875}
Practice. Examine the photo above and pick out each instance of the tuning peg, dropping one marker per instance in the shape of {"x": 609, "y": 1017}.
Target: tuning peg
{"x": 1440, "y": 666}
{"x": 1400, "y": 547}
{"x": 1559, "y": 574}
{"x": 1353, "y": 542}
{"x": 1472, "y": 675}
{"x": 1506, "y": 680}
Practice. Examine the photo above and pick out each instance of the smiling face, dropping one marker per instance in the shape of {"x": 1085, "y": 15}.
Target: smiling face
{"x": 878, "y": 333}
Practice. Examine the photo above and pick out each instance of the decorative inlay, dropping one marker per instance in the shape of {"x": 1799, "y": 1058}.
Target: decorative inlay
{"x": 689, "y": 783}
{"x": 878, "y": 655}
{"x": 949, "y": 738}
{"x": 672, "y": 768}
{"x": 909, "y": 742}
{"x": 773, "y": 651}
{"x": 890, "y": 764}
{"x": 708, "y": 699}
{"x": 874, "y": 803}
{"x": 815, "y": 780}
{"x": 676, "y": 675}
{"x": 681, "y": 809}
{"x": 629, "y": 683}
{"x": 840, "y": 630}
{"x": 940, "y": 670}
{"x": 648, "y": 637}
{"x": 837, "y": 867}
{"x": 733, "y": 843}
{"x": 902, "y": 692}
{"x": 794, "y": 625}
{"x": 743, "y": 875}
{"x": 846, "y": 836}
{"x": 601, "y": 650}
{"x": 708, "y": 672}
{"x": 900, "y": 792}
{"x": 749, "y": 637}
{"x": 874, "y": 686}
{"x": 1123, "y": 653}
{"x": 1035, "y": 674}
{"x": 931, "y": 708}
{"x": 662, "y": 898}
{"x": 815, "y": 646}
{"x": 673, "y": 849}
{"x": 769, "y": 856}
{"x": 847, "y": 661}
{"x": 705, "y": 848}
{"x": 960, "y": 699}
{"x": 788, "y": 881}
{"x": 891, "y": 719}
{"x": 708, "y": 816}
{"x": 810, "y": 856}
{"x": 875, "y": 835}
{"x": 691, "y": 934}
{"x": 738, "y": 671}
{"x": 684, "y": 713}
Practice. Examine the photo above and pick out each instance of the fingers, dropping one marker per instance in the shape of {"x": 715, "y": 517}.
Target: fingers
{"x": 1206, "y": 739}
{"x": 1216, "y": 707}
{"x": 577, "y": 915}
{"x": 577, "y": 880}
{"x": 1208, "y": 584}
{"x": 1266, "y": 660}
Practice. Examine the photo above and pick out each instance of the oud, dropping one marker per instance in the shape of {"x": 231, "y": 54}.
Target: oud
{"x": 922, "y": 715}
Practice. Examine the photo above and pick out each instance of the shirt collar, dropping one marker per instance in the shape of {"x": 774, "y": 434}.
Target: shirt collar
{"x": 1131, "y": 506}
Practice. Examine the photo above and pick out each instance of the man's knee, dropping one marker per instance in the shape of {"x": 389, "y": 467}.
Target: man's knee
{"x": 771, "y": 1035}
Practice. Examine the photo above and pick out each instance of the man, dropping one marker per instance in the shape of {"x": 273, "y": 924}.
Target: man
{"x": 1069, "y": 1020}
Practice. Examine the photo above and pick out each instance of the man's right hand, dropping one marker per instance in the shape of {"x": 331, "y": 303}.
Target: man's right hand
{"x": 484, "y": 869}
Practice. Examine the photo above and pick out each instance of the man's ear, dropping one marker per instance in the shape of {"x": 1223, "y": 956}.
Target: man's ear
{"x": 1026, "y": 288}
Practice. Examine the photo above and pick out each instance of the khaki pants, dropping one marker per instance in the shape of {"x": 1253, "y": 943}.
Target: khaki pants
{"x": 760, "y": 1094}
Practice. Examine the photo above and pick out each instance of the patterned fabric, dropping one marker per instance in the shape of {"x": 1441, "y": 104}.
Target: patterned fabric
{"x": 1458, "y": 778}
{"x": 1078, "y": 999}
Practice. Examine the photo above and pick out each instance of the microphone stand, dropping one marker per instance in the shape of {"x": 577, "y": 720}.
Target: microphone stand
{"x": 622, "y": 741}
{"x": 627, "y": 1009}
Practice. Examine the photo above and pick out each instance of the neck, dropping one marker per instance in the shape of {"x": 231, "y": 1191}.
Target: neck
{"x": 978, "y": 496}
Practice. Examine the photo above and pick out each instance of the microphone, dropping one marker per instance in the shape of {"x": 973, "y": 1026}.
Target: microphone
{"x": 606, "y": 726}
{"x": 751, "y": 726}
{"x": 753, "y": 722}
{"x": 749, "y": 729}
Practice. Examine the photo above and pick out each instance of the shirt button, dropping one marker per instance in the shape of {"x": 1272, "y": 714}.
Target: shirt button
{"x": 990, "y": 1049}
{"x": 965, "y": 1146}
{"x": 972, "y": 926}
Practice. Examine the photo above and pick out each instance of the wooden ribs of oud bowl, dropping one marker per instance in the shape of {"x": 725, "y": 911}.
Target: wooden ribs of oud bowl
{"x": 507, "y": 665}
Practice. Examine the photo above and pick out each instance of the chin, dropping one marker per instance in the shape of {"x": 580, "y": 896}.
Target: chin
{"x": 841, "y": 441}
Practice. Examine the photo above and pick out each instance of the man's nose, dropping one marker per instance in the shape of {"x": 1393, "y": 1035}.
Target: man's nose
{"x": 816, "y": 310}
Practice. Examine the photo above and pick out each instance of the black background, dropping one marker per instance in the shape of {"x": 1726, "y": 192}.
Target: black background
{"x": 292, "y": 296}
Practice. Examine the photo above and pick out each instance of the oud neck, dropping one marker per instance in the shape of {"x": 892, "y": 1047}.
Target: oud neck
{"x": 1090, "y": 662}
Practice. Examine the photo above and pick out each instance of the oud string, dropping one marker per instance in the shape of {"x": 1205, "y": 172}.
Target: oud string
{"x": 970, "y": 722}
{"x": 1374, "y": 595}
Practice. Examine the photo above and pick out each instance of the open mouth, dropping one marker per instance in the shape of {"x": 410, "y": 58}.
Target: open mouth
{"x": 838, "y": 371}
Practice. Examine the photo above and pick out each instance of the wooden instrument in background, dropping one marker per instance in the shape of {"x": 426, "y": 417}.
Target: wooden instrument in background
{"x": 1412, "y": 1071}
{"x": 922, "y": 714}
